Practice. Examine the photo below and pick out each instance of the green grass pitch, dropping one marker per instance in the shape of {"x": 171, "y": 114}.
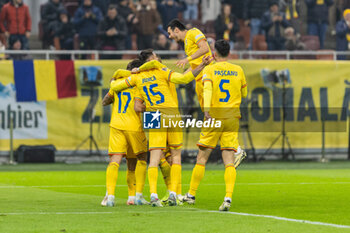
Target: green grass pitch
{"x": 66, "y": 198}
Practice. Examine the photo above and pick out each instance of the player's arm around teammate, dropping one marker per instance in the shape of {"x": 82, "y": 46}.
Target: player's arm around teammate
{"x": 202, "y": 50}
{"x": 174, "y": 77}
{"x": 159, "y": 140}
{"x": 127, "y": 141}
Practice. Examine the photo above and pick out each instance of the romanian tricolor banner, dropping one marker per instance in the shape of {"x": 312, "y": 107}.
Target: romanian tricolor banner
{"x": 65, "y": 122}
{"x": 42, "y": 80}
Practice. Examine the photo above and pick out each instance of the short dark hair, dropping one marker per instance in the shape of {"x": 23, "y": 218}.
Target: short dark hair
{"x": 112, "y": 7}
{"x": 222, "y": 47}
{"x": 272, "y": 3}
{"x": 145, "y": 54}
{"x": 175, "y": 23}
{"x": 136, "y": 63}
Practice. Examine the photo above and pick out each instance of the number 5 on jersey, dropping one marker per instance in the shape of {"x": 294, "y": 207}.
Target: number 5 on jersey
{"x": 222, "y": 89}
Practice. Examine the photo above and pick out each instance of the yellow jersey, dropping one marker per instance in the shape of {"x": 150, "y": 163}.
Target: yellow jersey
{"x": 153, "y": 65}
{"x": 137, "y": 94}
{"x": 172, "y": 90}
{"x": 192, "y": 38}
{"x": 155, "y": 90}
{"x": 124, "y": 116}
{"x": 228, "y": 87}
{"x": 156, "y": 86}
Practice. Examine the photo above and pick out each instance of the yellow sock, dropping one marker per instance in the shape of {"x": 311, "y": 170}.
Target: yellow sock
{"x": 179, "y": 185}
{"x": 197, "y": 176}
{"x": 131, "y": 180}
{"x": 165, "y": 169}
{"x": 175, "y": 175}
{"x": 230, "y": 178}
{"x": 152, "y": 179}
{"x": 140, "y": 173}
{"x": 111, "y": 177}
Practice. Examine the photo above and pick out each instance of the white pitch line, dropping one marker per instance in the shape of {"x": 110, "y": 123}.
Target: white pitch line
{"x": 122, "y": 185}
{"x": 102, "y": 212}
{"x": 285, "y": 219}
{"x": 54, "y": 213}
{"x": 191, "y": 210}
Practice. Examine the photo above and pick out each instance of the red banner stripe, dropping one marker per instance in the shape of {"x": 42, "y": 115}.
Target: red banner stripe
{"x": 65, "y": 79}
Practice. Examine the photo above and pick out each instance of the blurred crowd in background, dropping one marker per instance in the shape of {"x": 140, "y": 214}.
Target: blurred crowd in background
{"x": 136, "y": 25}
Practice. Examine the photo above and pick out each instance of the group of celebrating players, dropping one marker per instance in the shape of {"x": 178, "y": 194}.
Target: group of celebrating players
{"x": 148, "y": 85}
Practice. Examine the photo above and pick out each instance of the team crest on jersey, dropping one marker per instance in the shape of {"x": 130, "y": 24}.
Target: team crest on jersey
{"x": 199, "y": 36}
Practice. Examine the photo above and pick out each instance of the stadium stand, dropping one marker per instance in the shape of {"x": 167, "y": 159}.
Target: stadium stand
{"x": 244, "y": 33}
{"x": 259, "y": 44}
{"x": 311, "y": 42}
{"x": 329, "y": 56}
{"x": 71, "y": 6}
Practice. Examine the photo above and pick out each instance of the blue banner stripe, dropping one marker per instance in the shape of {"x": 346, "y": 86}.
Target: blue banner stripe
{"x": 24, "y": 80}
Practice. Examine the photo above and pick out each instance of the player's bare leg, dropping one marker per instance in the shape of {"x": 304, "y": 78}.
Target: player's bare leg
{"x": 169, "y": 159}
{"x": 230, "y": 178}
{"x": 197, "y": 173}
{"x": 153, "y": 176}
{"x": 131, "y": 180}
{"x": 165, "y": 168}
{"x": 140, "y": 173}
{"x": 111, "y": 178}
{"x": 175, "y": 175}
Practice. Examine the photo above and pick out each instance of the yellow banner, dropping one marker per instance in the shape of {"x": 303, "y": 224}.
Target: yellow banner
{"x": 317, "y": 89}
{"x": 45, "y": 80}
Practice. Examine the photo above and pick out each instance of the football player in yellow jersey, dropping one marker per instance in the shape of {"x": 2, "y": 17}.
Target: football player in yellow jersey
{"x": 165, "y": 161}
{"x": 126, "y": 139}
{"x": 224, "y": 87}
{"x": 131, "y": 160}
{"x": 154, "y": 87}
{"x": 196, "y": 46}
